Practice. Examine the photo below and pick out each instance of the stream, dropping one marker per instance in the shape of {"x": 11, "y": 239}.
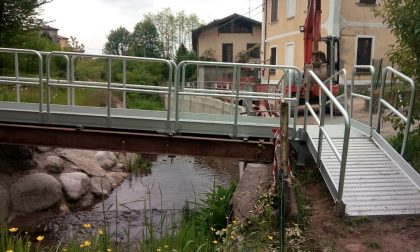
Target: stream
{"x": 142, "y": 202}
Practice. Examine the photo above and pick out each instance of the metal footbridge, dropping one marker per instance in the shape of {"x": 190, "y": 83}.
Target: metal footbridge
{"x": 363, "y": 173}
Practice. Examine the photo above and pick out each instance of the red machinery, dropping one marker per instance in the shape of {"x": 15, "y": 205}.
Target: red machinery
{"x": 323, "y": 65}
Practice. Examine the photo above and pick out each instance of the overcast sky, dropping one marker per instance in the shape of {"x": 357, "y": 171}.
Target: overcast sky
{"x": 90, "y": 21}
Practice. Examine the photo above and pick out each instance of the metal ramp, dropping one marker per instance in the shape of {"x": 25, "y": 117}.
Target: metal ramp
{"x": 363, "y": 173}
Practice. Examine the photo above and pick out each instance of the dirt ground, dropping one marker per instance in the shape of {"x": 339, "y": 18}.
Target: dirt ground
{"x": 327, "y": 232}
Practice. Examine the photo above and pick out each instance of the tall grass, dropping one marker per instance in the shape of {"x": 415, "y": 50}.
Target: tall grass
{"x": 200, "y": 226}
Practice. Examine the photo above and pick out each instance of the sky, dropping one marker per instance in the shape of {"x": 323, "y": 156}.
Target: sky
{"x": 90, "y": 21}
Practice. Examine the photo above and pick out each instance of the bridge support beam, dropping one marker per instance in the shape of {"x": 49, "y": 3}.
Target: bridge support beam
{"x": 152, "y": 143}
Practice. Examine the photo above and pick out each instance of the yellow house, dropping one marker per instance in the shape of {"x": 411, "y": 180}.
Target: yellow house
{"x": 224, "y": 39}
{"x": 362, "y": 36}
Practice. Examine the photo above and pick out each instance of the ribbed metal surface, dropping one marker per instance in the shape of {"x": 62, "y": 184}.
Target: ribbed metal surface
{"x": 374, "y": 184}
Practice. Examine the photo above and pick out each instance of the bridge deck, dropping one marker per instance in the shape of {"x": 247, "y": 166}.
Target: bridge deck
{"x": 377, "y": 181}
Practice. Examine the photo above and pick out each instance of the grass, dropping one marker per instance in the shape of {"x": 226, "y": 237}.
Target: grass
{"x": 412, "y": 150}
{"x": 200, "y": 228}
{"x": 139, "y": 167}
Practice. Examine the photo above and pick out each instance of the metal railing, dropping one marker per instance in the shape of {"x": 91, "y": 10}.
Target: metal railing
{"x": 368, "y": 98}
{"x": 174, "y": 90}
{"x": 109, "y": 86}
{"x": 235, "y": 94}
{"x": 17, "y": 80}
{"x": 321, "y": 123}
{"x": 382, "y": 101}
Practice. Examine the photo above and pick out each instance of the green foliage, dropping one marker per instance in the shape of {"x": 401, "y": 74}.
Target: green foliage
{"x": 145, "y": 40}
{"x": 118, "y": 42}
{"x": 200, "y": 229}
{"x": 412, "y": 150}
{"x": 208, "y": 55}
{"x": 12, "y": 240}
{"x": 18, "y": 17}
{"x": 403, "y": 18}
{"x": 139, "y": 167}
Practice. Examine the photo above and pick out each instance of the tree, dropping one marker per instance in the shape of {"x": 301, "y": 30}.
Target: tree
{"x": 184, "y": 54}
{"x": 403, "y": 18}
{"x": 74, "y": 45}
{"x": 174, "y": 29}
{"x": 144, "y": 41}
{"x": 18, "y": 17}
{"x": 118, "y": 42}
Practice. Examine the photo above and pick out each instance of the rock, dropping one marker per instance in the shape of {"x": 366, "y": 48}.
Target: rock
{"x": 54, "y": 164}
{"x": 4, "y": 204}
{"x": 116, "y": 178}
{"x": 355, "y": 247}
{"x": 106, "y": 159}
{"x": 254, "y": 181}
{"x": 119, "y": 167}
{"x": 85, "y": 203}
{"x": 84, "y": 161}
{"x": 5, "y": 180}
{"x": 100, "y": 187}
{"x": 16, "y": 158}
{"x": 43, "y": 149}
{"x": 35, "y": 192}
{"x": 75, "y": 185}
{"x": 64, "y": 208}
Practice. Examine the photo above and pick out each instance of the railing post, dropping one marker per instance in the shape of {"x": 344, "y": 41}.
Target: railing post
{"x": 124, "y": 83}
{"x": 109, "y": 103}
{"x": 237, "y": 88}
{"x": 17, "y": 77}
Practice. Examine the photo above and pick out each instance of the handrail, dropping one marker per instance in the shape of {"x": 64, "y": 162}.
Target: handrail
{"x": 72, "y": 83}
{"x": 369, "y": 98}
{"x": 40, "y": 70}
{"x": 321, "y": 122}
{"x": 235, "y": 92}
{"x": 382, "y": 101}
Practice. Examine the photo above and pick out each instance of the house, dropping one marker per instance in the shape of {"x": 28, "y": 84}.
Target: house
{"x": 228, "y": 39}
{"x": 52, "y": 33}
{"x": 362, "y": 36}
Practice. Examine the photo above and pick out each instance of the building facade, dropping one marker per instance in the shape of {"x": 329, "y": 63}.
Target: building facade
{"x": 363, "y": 37}
{"x": 226, "y": 39}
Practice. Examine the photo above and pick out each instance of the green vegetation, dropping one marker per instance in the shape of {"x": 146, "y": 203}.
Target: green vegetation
{"x": 139, "y": 167}
{"x": 412, "y": 151}
{"x": 201, "y": 228}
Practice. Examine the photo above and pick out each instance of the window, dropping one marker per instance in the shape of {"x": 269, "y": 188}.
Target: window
{"x": 364, "y": 52}
{"x": 236, "y": 26}
{"x": 273, "y": 59}
{"x": 291, "y": 8}
{"x": 254, "y": 52}
{"x": 367, "y": 2}
{"x": 227, "y": 53}
{"x": 274, "y": 8}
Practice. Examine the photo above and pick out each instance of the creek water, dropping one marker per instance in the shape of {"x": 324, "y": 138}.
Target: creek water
{"x": 148, "y": 201}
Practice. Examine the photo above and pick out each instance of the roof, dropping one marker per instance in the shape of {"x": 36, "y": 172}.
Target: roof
{"x": 46, "y": 27}
{"x": 61, "y": 37}
{"x": 216, "y": 23}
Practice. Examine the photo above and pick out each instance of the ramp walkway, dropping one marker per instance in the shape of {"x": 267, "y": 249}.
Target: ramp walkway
{"x": 363, "y": 173}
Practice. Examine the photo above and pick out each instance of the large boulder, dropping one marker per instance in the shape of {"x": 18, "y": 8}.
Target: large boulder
{"x": 106, "y": 159}
{"x": 100, "y": 187}
{"x": 35, "y": 192}
{"x": 4, "y": 204}
{"x": 116, "y": 178}
{"x": 16, "y": 158}
{"x": 54, "y": 164}
{"x": 75, "y": 185}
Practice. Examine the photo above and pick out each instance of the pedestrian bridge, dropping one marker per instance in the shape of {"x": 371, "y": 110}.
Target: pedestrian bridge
{"x": 363, "y": 173}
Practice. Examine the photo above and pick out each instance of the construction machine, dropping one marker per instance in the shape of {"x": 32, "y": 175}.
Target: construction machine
{"x": 323, "y": 64}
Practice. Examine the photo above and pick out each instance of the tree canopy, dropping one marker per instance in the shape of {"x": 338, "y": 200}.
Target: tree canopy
{"x": 18, "y": 17}
{"x": 403, "y": 18}
{"x": 145, "y": 40}
{"x": 118, "y": 42}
